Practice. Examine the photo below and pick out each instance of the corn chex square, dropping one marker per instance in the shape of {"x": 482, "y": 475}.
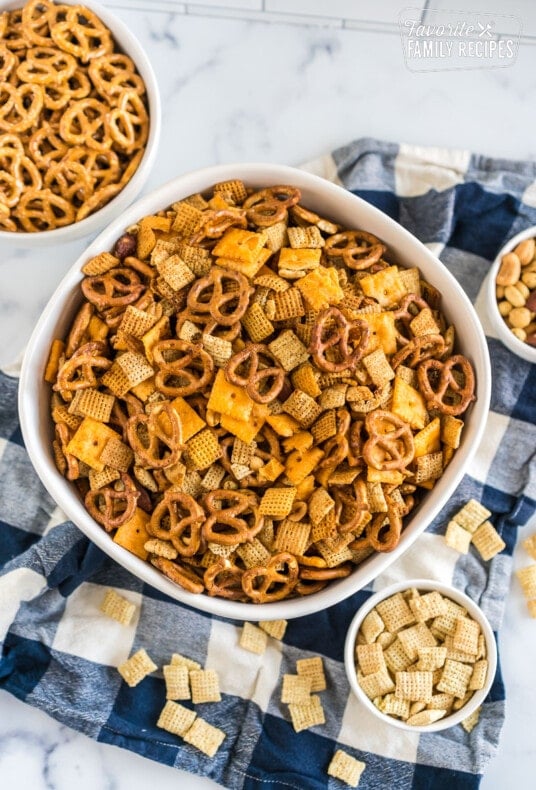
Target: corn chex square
{"x": 302, "y": 407}
{"x": 92, "y": 403}
{"x": 177, "y": 678}
{"x": 372, "y": 626}
{"x": 414, "y": 686}
{"x": 471, "y": 721}
{"x": 277, "y": 502}
{"x": 346, "y": 768}
{"x": 414, "y": 637}
{"x": 426, "y": 607}
{"x": 274, "y": 628}
{"x": 396, "y": 657}
{"x": 253, "y": 638}
{"x": 395, "y": 613}
{"x": 117, "y": 607}
{"x": 292, "y": 536}
{"x": 137, "y": 667}
{"x": 205, "y": 737}
{"x": 288, "y": 350}
{"x": 205, "y": 685}
{"x": 176, "y": 718}
{"x": 307, "y": 714}
{"x": 527, "y": 580}
{"x": 465, "y": 637}
{"x": 370, "y": 658}
{"x": 178, "y": 658}
{"x": 457, "y": 537}
{"x": 312, "y": 668}
{"x": 472, "y": 515}
{"x": 480, "y": 673}
{"x": 376, "y": 684}
{"x": 487, "y": 541}
{"x": 455, "y": 678}
{"x": 296, "y": 688}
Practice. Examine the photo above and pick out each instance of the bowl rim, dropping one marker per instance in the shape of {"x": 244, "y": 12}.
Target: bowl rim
{"x": 98, "y": 219}
{"x": 458, "y": 596}
{"x": 61, "y": 489}
{"x": 516, "y": 346}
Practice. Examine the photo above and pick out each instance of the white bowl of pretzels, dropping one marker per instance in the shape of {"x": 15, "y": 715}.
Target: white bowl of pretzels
{"x": 249, "y": 391}
{"x": 79, "y": 120}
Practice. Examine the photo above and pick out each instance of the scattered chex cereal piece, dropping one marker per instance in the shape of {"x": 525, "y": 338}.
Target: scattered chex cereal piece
{"x": 487, "y": 541}
{"x": 527, "y": 580}
{"x": 117, "y": 607}
{"x": 253, "y": 638}
{"x": 425, "y": 717}
{"x": 205, "y": 685}
{"x": 136, "y": 668}
{"x": 529, "y": 544}
{"x": 274, "y": 628}
{"x": 176, "y": 718}
{"x": 457, "y": 537}
{"x": 346, "y": 768}
{"x": 307, "y": 714}
{"x": 296, "y": 688}
{"x": 471, "y": 721}
{"x": 205, "y": 737}
{"x": 177, "y": 677}
{"x": 472, "y": 515}
{"x": 312, "y": 668}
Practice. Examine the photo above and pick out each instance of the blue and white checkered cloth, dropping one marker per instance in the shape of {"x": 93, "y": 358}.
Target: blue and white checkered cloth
{"x": 60, "y": 654}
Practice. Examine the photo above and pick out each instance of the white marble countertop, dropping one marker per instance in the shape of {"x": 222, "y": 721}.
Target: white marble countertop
{"x": 239, "y": 90}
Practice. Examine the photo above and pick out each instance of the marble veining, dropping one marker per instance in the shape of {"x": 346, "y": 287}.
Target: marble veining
{"x": 237, "y": 90}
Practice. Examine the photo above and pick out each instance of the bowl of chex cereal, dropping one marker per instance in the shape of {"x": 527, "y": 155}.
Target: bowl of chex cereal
{"x": 421, "y": 656}
{"x": 250, "y": 391}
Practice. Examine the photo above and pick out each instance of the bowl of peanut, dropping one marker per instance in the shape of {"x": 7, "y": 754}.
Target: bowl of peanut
{"x": 79, "y": 120}
{"x": 249, "y": 391}
{"x": 511, "y": 294}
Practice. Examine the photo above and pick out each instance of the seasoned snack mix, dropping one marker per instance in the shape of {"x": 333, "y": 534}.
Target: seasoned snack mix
{"x": 253, "y": 398}
{"x": 73, "y": 116}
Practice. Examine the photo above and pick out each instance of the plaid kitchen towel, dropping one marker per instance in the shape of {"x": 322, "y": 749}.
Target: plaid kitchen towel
{"x": 60, "y": 654}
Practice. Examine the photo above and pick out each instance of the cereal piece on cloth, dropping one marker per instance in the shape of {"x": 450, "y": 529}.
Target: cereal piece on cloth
{"x": 346, "y": 768}
{"x": 136, "y": 668}
{"x": 176, "y": 718}
{"x": 457, "y": 537}
{"x": 307, "y": 714}
{"x": 527, "y": 580}
{"x": 529, "y": 544}
{"x": 312, "y": 668}
{"x": 471, "y": 721}
{"x": 274, "y": 628}
{"x": 296, "y": 688}
{"x": 487, "y": 541}
{"x": 472, "y": 515}
{"x": 253, "y": 638}
{"x": 205, "y": 685}
{"x": 178, "y": 658}
{"x": 177, "y": 677}
{"x": 205, "y": 737}
{"x": 117, "y": 607}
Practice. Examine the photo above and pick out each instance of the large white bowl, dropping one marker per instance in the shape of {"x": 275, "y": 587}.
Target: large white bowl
{"x": 504, "y": 333}
{"x": 458, "y": 597}
{"x": 330, "y": 200}
{"x": 130, "y": 45}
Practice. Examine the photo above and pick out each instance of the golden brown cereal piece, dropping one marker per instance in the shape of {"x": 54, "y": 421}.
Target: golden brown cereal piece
{"x": 253, "y": 554}
{"x": 414, "y": 686}
{"x": 302, "y": 407}
{"x": 478, "y": 678}
{"x": 428, "y": 606}
{"x": 487, "y": 541}
{"x": 89, "y": 441}
{"x": 177, "y": 659}
{"x": 370, "y": 658}
{"x": 274, "y": 628}
{"x": 529, "y": 544}
{"x": 451, "y": 430}
{"x": 455, "y": 678}
{"x": 253, "y": 638}
{"x": 392, "y": 706}
{"x": 307, "y": 714}
{"x": 99, "y": 479}
{"x": 416, "y": 637}
{"x": 117, "y": 607}
{"x": 292, "y": 536}
{"x": 431, "y": 658}
{"x": 175, "y": 272}
{"x": 277, "y": 502}
{"x": 372, "y": 626}
{"x": 100, "y": 264}
{"x": 378, "y": 367}
{"x": 471, "y": 721}
{"x": 177, "y": 678}
{"x": 312, "y": 668}
{"x": 289, "y": 351}
{"x": 92, "y": 403}
{"x": 204, "y": 736}
{"x": 176, "y": 718}
{"x": 204, "y": 449}
{"x": 527, "y": 579}
{"x": 205, "y": 686}
{"x": 472, "y": 515}
{"x": 137, "y": 667}
{"x": 465, "y": 637}
{"x": 117, "y": 455}
{"x": 346, "y": 768}
{"x": 395, "y": 613}
{"x": 426, "y": 717}
{"x": 377, "y": 684}
{"x": 296, "y": 688}
{"x": 458, "y": 538}
{"x": 531, "y": 606}
{"x": 161, "y": 548}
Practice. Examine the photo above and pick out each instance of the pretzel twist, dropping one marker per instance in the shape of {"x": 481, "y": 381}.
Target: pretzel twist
{"x": 271, "y": 582}
{"x": 390, "y": 444}
{"x": 358, "y": 249}
{"x": 442, "y": 389}
{"x": 178, "y": 518}
{"x": 160, "y": 444}
{"x": 348, "y": 338}
{"x": 183, "y": 367}
{"x": 256, "y": 378}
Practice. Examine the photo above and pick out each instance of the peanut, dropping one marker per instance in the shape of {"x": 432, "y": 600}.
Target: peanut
{"x": 514, "y": 296}
{"x": 499, "y": 290}
{"x": 519, "y": 317}
{"x": 509, "y": 270}
{"x": 523, "y": 290}
{"x": 525, "y": 251}
{"x": 529, "y": 278}
{"x": 520, "y": 334}
{"x": 504, "y": 308}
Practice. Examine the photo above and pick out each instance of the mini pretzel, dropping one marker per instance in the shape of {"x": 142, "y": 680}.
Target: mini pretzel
{"x": 441, "y": 388}
{"x": 342, "y": 336}
{"x": 356, "y": 503}
{"x": 272, "y": 582}
{"x": 208, "y": 325}
{"x": 268, "y": 206}
{"x": 19, "y": 106}
{"x": 79, "y": 328}
{"x": 111, "y": 74}
{"x": 358, "y": 249}
{"x": 222, "y": 293}
{"x": 390, "y": 443}
{"x": 224, "y": 579}
{"x": 46, "y": 66}
{"x": 404, "y": 314}
{"x": 128, "y": 122}
{"x": 85, "y": 123}
{"x": 183, "y": 367}
{"x": 178, "y": 518}
{"x": 41, "y": 209}
{"x": 256, "y": 379}
{"x": 117, "y": 288}
{"x": 111, "y": 507}
{"x": 385, "y": 537}
{"x": 161, "y": 431}
{"x": 418, "y": 349}
{"x": 79, "y": 371}
{"x": 82, "y": 34}
{"x": 72, "y": 465}
{"x": 228, "y": 525}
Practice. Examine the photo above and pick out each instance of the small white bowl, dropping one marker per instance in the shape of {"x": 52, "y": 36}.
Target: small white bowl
{"x": 500, "y": 326}
{"x": 130, "y": 45}
{"x": 344, "y": 207}
{"x": 449, "y": 592}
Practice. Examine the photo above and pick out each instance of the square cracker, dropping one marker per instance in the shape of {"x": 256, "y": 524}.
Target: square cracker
{"x": 487, "y": 541}
{"x": 346, "y": 768}
{"x": 205, "y": 685}
{"x": 471, "y": 515}
{"x": 137, "y": 667}
{"x": 177, "y": 677}
{"x": 296, "y": 688}
{"x": 457, "y": 537}
{"x": 307, "y": 714}
{"x": 176, "y": 718}
{"x": 253, "y": 639}
{"x": 312, "y": 668}
{"x": 205, "y": 737}
{"x": 117, "y": 607}
{"x": 395, "y": 613}
{"x": 274, "y": 628}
